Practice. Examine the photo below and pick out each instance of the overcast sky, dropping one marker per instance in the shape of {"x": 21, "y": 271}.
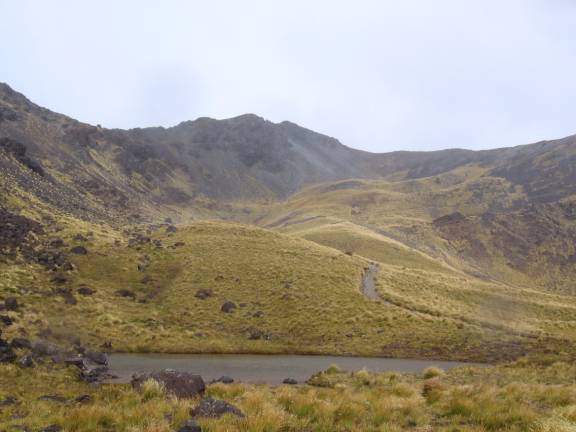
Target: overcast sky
{"x": 378, "y": 75}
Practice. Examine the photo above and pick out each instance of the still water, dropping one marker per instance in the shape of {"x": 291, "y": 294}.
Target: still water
{"x": 269, "y": 369}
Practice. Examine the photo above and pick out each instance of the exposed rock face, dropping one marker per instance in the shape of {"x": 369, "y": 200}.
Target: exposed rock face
{"x": 180, "y": 384}
{"x": 16, "y": 233}
{"x": 19, "y": 152}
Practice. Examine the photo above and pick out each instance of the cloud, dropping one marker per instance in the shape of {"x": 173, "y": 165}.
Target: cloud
{"x": 378, "y": 75}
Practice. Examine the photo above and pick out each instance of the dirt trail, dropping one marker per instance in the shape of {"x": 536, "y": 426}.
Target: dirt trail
{"x": 369, "y": 282}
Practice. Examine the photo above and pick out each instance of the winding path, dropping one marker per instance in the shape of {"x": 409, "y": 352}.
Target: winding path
{"x": 369, "y": 282}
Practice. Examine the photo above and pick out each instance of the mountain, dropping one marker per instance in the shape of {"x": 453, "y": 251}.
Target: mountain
{"x": 471, "y": 253}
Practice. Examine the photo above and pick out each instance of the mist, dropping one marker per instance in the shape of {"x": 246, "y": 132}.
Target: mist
{"x": 379, "y": 76}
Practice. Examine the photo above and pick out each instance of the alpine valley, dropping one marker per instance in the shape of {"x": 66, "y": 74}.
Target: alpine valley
{"x": 247, "y": 236}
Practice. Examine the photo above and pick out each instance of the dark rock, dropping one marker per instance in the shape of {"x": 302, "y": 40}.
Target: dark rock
{"x": 6, "y": 320}
{"x": 26, "y": 362}
{"x": 290, "y": 381}
{"x": 256, "y": 334}
{"x": 204, "y": 293}
{"x": 79, "y": 250}
{"x": 228, "y": 307}
{"x": 180, "y": 384}
{"x": 56, "y": 243}
{"x": 58, "y": 279}
{"x": 225, "y": 380}
{"x": 79, "y": 362}
{"x": 85, "y": 291}
{"x": 97, "y": 357}
{"x": 168, "y": 220}
{"x": 190, "y": 426}
{"x": 214, "y": 408}
{"x": 52, "y": 428}
{"x": 83, "y": 399}
{"x": 171, "y": 229}
{"x": 41, "y": 348}
{"x": 69, "y": 299}
{"x": 20, "y": 343}
{"x": 7, "y": 354}
{"x": 20, "y": 153}
{"x": 9, "y": 400}
{"x": 11, "y": 304}
{"x": 179, "y": 244}
{"x": 126, "y": 293}
{"x": 95, "y": 375}
{"x": 53, "y": 398}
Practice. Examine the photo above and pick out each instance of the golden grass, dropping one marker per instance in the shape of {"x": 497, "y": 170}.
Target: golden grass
{"x": 464, "y": 399}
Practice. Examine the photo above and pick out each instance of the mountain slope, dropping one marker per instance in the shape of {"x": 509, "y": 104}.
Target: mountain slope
{"x": 475, "y": 250}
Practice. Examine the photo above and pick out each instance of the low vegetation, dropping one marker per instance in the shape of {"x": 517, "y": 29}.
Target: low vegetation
{"x": 517, "y": 397}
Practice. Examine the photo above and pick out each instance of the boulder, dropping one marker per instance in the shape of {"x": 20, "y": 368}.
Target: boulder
{"x": 190, "y": 426}
{"x": 58, "y": 279}
{"x": 97, "y": 357}
{"x": 7, "y": 354}
{"x": 290, "y": 381}
{"x": 20, "y": 343}
{"x": 204, "y": 293}
{"x": 82, "y": 399}
{"x": 228, "y": 307}
{"x": 79, "y": 250}
{"x": 53, "y": 398}
{"x": 126, "y": 293}
{"x": 214, "y": 408}
{"x": 41, "y": 348}
{"x": 225, "y": 380}
{"x": 26, "y": 362}
{"x": 95, "y": 375}
{"x": 69, "y": 299}
{"x": 79, "y": 362}
{"x": 6, "y": 320}
{"x": 11, "y": 304}
{"x": 180, "y": 384}
{"x": 56, "y": 243}
{"x": 8, "y": 401}
{"x": 85, "y": 291}
{"x": 171, "y": 229}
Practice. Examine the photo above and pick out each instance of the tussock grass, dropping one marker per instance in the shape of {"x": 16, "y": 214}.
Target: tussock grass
{"x": 464, "y": 399}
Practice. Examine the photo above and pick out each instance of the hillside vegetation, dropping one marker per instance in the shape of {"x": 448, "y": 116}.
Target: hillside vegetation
{"x": 246, "y": 236}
